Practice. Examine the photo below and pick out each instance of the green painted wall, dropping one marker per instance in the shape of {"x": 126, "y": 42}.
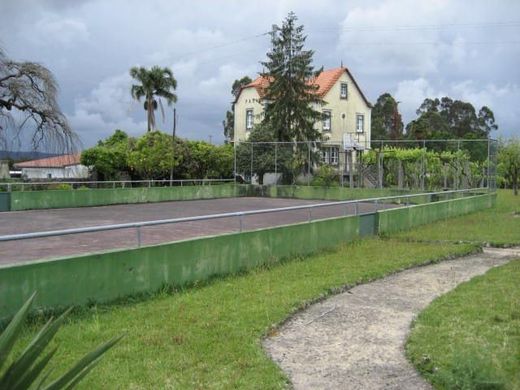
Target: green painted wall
{"x": 5, "y": 201}
{"x": 395, "y": 220}
{"x": 108, "y": 276}
{"x": 325, "y": 193}
{"x": 27, "y": 200}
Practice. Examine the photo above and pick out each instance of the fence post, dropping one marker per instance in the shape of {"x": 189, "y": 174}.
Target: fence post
{"x": 308, "y": 163}
{"x": 488, "y": 164}
{"x": 240, "y": 222}
{"x": 310, "y": 214}
{"x": 252, "y": 156}
{"x": 235, "y": 163}
{"x": 138, "y": 231}
{"x": 276, "y": 163}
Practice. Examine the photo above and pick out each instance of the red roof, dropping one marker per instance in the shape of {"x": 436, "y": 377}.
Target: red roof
{"x": 325, "y": 81}
{"x": 51, "y": 162}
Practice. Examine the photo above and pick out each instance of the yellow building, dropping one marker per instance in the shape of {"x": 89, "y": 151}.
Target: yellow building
{"x": 346, "y": 125}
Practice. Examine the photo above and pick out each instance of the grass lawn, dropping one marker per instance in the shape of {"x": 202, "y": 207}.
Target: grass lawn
{"x": 470, "y": 337}
{"x": 497, "y": 226}
{"x": 209, "y": 337}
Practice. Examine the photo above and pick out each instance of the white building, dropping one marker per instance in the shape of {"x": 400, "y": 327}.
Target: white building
{"x": 67, "y": 166}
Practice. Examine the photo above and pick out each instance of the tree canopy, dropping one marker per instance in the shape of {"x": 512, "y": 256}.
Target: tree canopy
{"x": 448, "y": 118}
{"x": 154, "y": 155}
{"x": 509, "y": 162}
{"x": 386, "y": 119}
{"x": 154, "y": 83}
{"x": 290, "y": 96}
{"x": 28, "y": 92}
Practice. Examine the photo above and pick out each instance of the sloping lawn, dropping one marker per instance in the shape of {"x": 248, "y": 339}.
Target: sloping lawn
{"x": 209, "y": 337}
{"x": 497, "y": 226}
{"x": 470, "y": 337}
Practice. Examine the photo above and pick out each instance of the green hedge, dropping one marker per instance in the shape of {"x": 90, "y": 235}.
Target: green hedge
{"x": 27, "y": 200}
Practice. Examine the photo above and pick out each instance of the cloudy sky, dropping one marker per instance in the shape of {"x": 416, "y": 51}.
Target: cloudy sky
{"x": 468, "y": 50}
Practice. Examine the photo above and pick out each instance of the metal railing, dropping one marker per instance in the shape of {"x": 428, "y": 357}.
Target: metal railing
{"x": 113, "y": 183}
{"x": 239, "y": 215}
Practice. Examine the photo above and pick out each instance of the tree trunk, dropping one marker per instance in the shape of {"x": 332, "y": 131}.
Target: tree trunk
{"x": 150, "y": 113}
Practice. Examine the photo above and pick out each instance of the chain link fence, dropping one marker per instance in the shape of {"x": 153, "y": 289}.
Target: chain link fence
{"x": 419, "y": 165}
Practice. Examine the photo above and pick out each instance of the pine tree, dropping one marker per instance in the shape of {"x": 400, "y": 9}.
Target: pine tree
{"x": 291, "y": 96}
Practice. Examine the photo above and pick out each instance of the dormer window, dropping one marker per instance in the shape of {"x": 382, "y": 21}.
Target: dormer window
{"x": 249, "y": 119}
{"x": 326, "y": 120}
{"x": 343, "y": 94}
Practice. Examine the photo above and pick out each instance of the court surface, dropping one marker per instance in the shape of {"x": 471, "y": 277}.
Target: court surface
{"x": 57, "y": 219}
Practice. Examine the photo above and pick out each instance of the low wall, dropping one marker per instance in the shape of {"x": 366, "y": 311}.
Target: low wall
{"x": 27, "y": 200}
{"x": 107, "y": 276}
{"x": 318, "y": 192}
{"x": 398, "y": 219}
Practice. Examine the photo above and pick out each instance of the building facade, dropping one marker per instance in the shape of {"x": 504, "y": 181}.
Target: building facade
{"x": 347, "y": 113}
{"x": 60, "y": 167}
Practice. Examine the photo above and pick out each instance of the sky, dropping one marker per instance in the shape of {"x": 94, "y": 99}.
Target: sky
{"x": 468, "y": 50}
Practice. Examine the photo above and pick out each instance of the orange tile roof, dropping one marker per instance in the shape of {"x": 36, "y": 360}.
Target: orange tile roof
{"x": 51, "y": 162}
{"x": 325, "y": 81}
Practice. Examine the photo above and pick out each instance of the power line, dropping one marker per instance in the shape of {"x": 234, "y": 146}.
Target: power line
{"x": 508, "y": 24}
{"x": 230, "y": 43}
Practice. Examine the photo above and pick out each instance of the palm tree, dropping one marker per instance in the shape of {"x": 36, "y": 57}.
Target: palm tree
{"x": 155, "y": 82}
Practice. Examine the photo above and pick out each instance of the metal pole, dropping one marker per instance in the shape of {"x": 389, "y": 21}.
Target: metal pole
{"x": 275, "y": 164}
{"x": 309, "y": 163}
{"x": 173, "y": 142}
{"x": 138, "y": 231}
{"x": 488, "y": 164}
{"x": 234, "y": 162}
{"x": 252, "y": 145}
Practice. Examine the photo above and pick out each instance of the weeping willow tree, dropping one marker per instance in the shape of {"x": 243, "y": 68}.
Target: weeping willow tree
{"x": 29, "y": 111}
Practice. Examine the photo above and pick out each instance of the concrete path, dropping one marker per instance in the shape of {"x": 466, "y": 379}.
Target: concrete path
{"x": 355, "y": 340}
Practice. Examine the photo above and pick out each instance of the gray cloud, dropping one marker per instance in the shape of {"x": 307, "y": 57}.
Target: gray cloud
{"x": 90, "y": 46}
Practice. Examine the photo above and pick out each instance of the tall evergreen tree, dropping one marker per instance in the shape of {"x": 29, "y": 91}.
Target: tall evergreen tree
{"x": 291, "y": 96}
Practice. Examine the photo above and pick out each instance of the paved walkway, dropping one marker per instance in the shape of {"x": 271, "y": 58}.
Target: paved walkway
{"x": 355, "y": 340}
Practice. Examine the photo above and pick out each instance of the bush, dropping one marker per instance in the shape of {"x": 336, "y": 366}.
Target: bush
{"x": 326, "y": 176}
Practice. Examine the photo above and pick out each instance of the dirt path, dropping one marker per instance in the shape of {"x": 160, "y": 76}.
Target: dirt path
{"x": 355, "y": 340}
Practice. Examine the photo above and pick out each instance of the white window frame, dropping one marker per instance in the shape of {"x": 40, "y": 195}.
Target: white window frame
{"x": 330, "y": 155}
{"x": 341, "y": 95}
{"x": 362, "y": 128}
{"x": 249, "y": 119}
{"x": 327, "y": 120}
{"x": 334, "y": 155}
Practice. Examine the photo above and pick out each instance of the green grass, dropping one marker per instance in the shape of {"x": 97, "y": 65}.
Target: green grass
{"x": 470, "y": 337}
{"x": 497, "y": 226}
{"x": 209, "y": 337}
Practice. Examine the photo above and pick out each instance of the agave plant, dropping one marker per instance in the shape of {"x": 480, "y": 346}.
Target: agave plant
{"x": 27, "y": 370}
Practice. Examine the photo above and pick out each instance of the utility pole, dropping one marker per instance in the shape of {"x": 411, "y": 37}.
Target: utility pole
{"x": 173, "y": 143}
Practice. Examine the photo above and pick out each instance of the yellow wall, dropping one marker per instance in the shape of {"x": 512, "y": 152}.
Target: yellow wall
{"x": 354, "y": 104}
{"x": 248, "y": 99}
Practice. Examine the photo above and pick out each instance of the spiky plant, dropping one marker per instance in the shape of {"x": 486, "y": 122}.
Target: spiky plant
{"x": 27, "y": 370}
